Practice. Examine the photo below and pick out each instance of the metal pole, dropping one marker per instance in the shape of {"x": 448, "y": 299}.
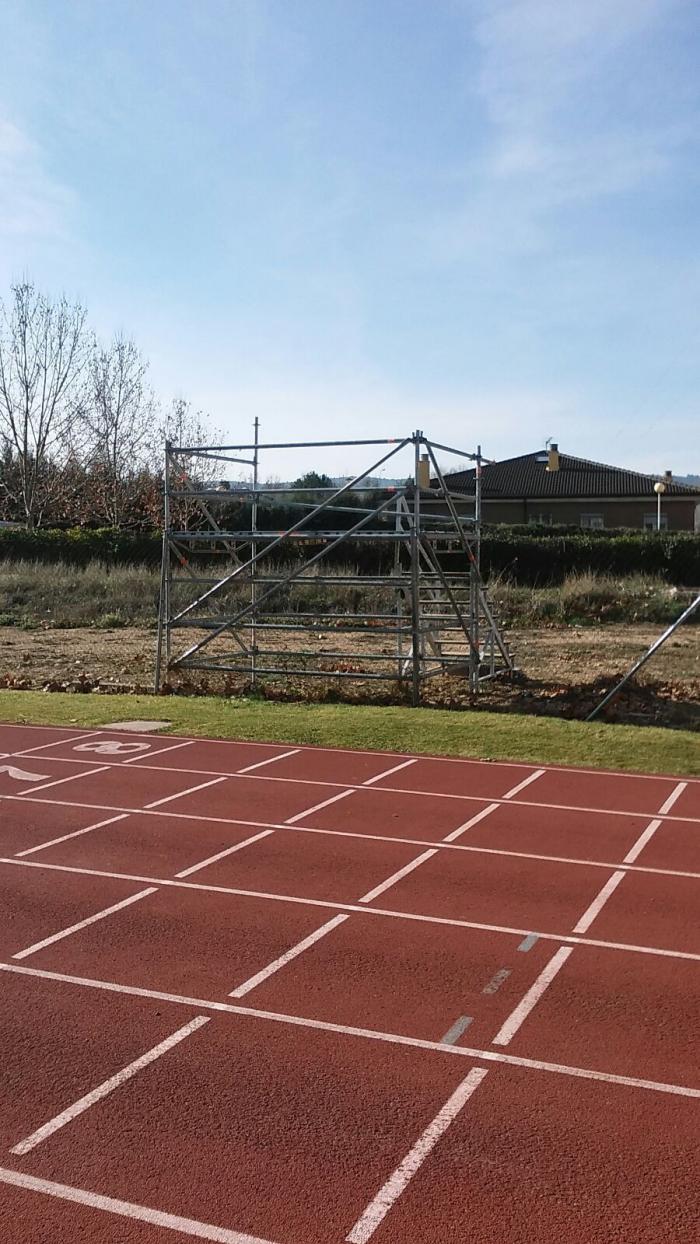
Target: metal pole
{"x": 658, "y": 510}
{"x": 415, "y": 572}
{"x": 164, "y": 596}
{"x": 687, "y": 613}
{"x": 254, "y": 567}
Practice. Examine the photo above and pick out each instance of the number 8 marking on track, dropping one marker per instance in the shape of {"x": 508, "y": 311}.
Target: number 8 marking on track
{"x": 110, "y": 747}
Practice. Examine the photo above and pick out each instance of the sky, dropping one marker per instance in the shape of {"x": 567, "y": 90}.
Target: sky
{"x": 355, "y": 218}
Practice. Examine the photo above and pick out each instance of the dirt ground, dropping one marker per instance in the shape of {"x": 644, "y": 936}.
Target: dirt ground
{"x": 565, "y": 671}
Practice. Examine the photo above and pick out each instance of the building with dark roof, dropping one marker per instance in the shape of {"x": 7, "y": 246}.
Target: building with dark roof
{"x": 551, "y": 487}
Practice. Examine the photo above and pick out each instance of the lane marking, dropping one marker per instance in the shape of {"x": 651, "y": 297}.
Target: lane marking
{"x": 74, "y": 777}
{"x": 528, "y": 942}
{"x": 114, "y": 747}
{"x": 480, "y": 816}
{"x": 191, "y": 790}
{"x": 641, "y": 842}
{"x": 499, "y": 978}
{"x": 287, "y": 957}
{"x": 517, "y": 1017}
{"x": 397, "y": 876}
{"x": 598, "y": 903}
{"x": 454, "y": 1033}
{"x": 103, "y": 1090}
{"x": 387, "y": 772}
{"x": 515, "y": 790}
{"x": 187, "y": 872}
{"x": 292, "y": 820}
{"x": 675, "y": 794}
{"x": 270, "y": 761}
{"x": 334, "y": 905}
{"x": 346, "y": 833}
{"x": 82, "y": 924}
{"x": 158, "y": 751}
{"x": 399, "y": 1179}
{"x": 21, "y": 775}
{"x": 42, "y": 747}
{"x": 52, "y": 842}
{"x": 370, "y": 1034}
{"x": 127, "y": 1209}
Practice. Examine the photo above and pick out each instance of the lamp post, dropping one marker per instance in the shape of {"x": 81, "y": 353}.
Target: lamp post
{"x": 659, "y": 489}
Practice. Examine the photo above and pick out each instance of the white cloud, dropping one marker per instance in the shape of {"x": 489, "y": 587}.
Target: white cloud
{"x": 33, "y": 205}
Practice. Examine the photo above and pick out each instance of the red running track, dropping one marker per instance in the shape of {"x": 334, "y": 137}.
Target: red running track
{"x": 257, "y": 993}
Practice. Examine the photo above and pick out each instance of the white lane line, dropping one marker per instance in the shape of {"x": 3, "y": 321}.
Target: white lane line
{"x": 642, "y": 841}
{"x": 382, "y": 912}
{"x": 103, "y": 1090}
{"x": 42, "y": 747}
{"x": 74, "y": 777}
{"x": 598, "y": 903}
{"x": 499, "y": 978}
{"x": 53, "y": 842}
{"x": 370, "y": 1034}
{"x": 187, "y": 872}
{"x": 387, "y": 772}
{"x": 270, "y": 761}
{"x": 292, "y": 820}
{"x": 127, "y": 1209}
{"x": 515, "y": 790}
{"x": 191, "y": 790}
{"x": 402, "y": 872}
{"x": 82, "y": 924}
{"x": 287, "y": 957}
{"x": 399, "y": 1180}
{"x": 480, "y": 816}
{"x": 517, "y": 1017}
{"x": 345, "y": 833}
{"x": 158, "y": 751}
{"x": 675, "y": 794}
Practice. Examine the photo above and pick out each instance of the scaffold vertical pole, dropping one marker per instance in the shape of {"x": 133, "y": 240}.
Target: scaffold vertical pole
{"x": 254, "y": 567}
{"x": 415, "y": 572}
{"x": 164, "y": 596}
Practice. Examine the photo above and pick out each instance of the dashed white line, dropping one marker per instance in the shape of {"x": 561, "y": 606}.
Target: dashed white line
{"x": 270, "y": 761}
{"x": 299, "y": 816}
{"x": 517, "y": 1017}
{"x": 675, "y": 794}
{"x": 158, "y": 751}
{"x": 74, "y": 777}
{"x": 220, "y": 855}
{"x": 397, "y": 876}
{"x": 287, "y": 957}
{"x": 399, "y": 1180}
{"x": 82, "y": 924}
{"x": 641, "y": 842}
{"x": 53, "y": 842}
{"x": 387, "y": 772}
{"x": 515, "y": 790}
{"x": 598, "y": 903}
{"x": 108, "y": 1086}
{"x": 191, "y": 790}
{"x": 480, "y": 816}
{"x": 127, "y": 1209}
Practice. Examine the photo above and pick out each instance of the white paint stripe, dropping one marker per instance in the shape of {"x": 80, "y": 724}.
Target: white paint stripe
{"x": 382, "y": 912}
{"x": 82, "y": 924}
{"x": 173, "y": 747}
{"x": 598, "y": 903}
{"x": 387, "y": 772}
{"x": 126, "y": 1209}
{"x": 191, "y": 790}
{"x": 74, "y": 777}
{"x": 515, "y": 790}
{"x": 675, "y": 794}
{"x": 402, "y": 872}
{"x": 480, "y": 816}
{"x": 53, "y": 842}
{"x": 642, "y": 841}
{"x": 103, "y": 1090}
{"x": 517, "y": 1017}
{"x": 370, "y": 1034}
{"x": 445, "y": 843}
{"x": 187, "y": 872}
{"x": 270, "y": 761}
{"x": 317, "y": 806}
{"x": 287, "y": 957}
{"x": 42, "y": 747}
{"x": 399, "y": 1180}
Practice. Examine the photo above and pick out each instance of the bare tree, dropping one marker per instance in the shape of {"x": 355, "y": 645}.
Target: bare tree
{"x": 185, "y": 426}
{"x": 43, "y": 347}
{"x": 119, "y": 418}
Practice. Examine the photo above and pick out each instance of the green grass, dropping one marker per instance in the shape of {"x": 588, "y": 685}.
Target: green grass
{"x": 495, "y": 736}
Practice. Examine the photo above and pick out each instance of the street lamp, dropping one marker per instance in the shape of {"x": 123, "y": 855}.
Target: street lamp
{"x": 659, "y": 489}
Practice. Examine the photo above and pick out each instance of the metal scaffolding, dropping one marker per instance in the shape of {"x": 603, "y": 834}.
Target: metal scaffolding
{"x": 238, "y": 598}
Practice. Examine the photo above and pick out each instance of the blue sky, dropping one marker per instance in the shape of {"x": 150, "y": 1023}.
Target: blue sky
{"x": 358, "y": 217}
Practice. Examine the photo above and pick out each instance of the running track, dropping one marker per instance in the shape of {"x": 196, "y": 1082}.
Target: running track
{"x": 256, "y": 993}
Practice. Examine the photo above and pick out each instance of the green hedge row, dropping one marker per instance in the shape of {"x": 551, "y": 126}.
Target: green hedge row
{"x": 541, "y": 557}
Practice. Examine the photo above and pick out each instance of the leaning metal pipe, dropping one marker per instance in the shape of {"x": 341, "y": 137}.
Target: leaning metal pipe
{"x": 687, "y": 613}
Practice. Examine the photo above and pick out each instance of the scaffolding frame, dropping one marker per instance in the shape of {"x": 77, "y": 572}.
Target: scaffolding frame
{"x": 426, "y": 597}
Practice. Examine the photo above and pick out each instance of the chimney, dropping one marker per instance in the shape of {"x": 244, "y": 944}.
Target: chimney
{"x": 424, "y": 471}
{"x": 668, "y": 477}
{"x": 553, "y": 457}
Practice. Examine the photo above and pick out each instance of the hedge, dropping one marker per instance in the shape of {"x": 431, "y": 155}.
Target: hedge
{"x": 542, "y": 557}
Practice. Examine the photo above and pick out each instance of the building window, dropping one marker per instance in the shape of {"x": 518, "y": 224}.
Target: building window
{"x": 592, "y": 520}
{"x": 650, "y": 522}
{"x": 540, "y": 520}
